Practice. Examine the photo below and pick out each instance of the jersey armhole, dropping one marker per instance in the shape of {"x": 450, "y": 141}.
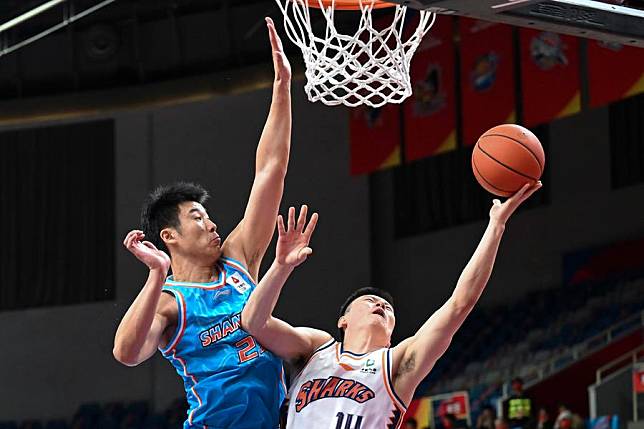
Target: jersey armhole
{"x": 238, "y": 266}
{"x": 318, "y": 350}
{"x": 389, "y": 384}
{"x": 181, "y": 320}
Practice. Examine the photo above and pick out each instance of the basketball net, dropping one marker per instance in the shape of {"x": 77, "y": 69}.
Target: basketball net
{"x": 369, "y": 67}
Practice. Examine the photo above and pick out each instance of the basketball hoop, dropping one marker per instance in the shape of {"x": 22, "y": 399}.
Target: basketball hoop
{"x": 369, "y": 67}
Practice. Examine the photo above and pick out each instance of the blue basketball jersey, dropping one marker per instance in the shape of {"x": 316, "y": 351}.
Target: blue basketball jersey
{"x": 230, "y": 380}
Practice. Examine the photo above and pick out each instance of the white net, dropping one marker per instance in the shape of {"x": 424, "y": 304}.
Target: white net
{"x": 369, "y": 67}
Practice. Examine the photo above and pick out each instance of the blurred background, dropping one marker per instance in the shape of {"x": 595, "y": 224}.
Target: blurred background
{"x": 140, "y": 93}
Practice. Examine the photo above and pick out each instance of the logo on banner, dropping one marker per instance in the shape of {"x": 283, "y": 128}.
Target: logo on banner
{"x": 236, "y": 281}
{"x": 483, "y": 74}
{"x": 612, "y": 46}
{"x": 547, "y": 51}
{"x": 428, "y": 92}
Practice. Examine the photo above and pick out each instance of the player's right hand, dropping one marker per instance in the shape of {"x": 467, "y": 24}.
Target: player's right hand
{"x": 293, "y": 242}
{"x": 146, "y": 252}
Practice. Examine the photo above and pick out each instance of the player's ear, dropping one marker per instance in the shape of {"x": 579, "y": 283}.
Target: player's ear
{"x": 342, "y": 322}
{"x": 168, "y": 235}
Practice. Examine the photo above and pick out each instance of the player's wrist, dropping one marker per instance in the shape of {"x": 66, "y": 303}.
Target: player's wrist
{"x": 283, "y": 267}
{"x": 497, "y": 224}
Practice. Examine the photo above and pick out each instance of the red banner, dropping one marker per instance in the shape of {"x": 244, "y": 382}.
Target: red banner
{"x": 614, "y": 72}
{"x": 487, "y": 77}
{"x": 375, "y": 138}
{"x": 550, "y": 76}
{"x": 638, "y": 380}
{"x": 430, "y": 117}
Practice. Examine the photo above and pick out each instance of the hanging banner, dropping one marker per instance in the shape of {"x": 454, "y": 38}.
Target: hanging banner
{"x": 549, "y": 76}
{"x": 374, "y": 136}
{"x": 638, "y": 378}
{"x": 430, "y": 116}
{"x": 614, "y": 72}
{"x": 445, "y": 411}
{"x": 487, "y": 77}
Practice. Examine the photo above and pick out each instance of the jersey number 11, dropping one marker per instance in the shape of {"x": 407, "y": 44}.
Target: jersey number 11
{"x": 349, "y": 417}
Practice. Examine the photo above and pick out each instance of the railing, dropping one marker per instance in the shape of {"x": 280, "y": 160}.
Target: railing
{"x": 589, "y": 346}
{"x": 631, "y": 357}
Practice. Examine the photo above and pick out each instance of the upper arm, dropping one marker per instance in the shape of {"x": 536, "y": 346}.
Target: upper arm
{"x": 290, "y": 343}
{"x": 163, "y": 322}
{"x": 251, "y": 237}
{"x": 415, "y": 357}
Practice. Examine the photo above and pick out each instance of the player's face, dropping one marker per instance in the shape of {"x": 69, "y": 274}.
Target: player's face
{"x": 197, "y": 235}
{"x": 372, "y": 311}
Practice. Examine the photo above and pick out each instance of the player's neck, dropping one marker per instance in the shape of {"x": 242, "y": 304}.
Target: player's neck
{"x": 362, "y": 342}
{"x": 184, "y": 270}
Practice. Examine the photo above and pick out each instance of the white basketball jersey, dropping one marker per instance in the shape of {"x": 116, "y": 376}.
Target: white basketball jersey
{"x": 341, "y": 390}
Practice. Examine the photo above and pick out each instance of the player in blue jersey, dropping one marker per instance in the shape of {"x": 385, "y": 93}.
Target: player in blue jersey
{"x": 193, "y": 316}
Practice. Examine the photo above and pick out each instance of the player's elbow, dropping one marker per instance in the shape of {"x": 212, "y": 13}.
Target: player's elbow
{"x": 253, "y": 327}
{"x": 123, "y": 356}
{"x": 273, "y": 169}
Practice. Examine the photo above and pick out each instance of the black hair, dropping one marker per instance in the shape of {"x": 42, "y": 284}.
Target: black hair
{"x": 357, "y": 294}
{"x": 161, "y": 208}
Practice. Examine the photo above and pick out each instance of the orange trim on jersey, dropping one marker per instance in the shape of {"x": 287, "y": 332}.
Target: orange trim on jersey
{"x": 192, "y": 389}
{"x": 283, "y": 380}
{"x": 217, "y": 284}
{"x": 346, "y": 366}
{"x": 389, "y": 385}
{"x": 182, "y": 322}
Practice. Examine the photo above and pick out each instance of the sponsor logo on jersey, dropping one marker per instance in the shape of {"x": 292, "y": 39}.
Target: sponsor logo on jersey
{"x": 237, "y": 281}
{"x": 369, "y": 367}
{"x": 220, "y": 330}
{"x": 332, "y": 387}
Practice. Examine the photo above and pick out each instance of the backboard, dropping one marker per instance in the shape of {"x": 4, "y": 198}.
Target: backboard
{"x": 603, "y": 20}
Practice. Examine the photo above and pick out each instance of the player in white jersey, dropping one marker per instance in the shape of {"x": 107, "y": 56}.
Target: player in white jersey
{"x": 362, "y": 382}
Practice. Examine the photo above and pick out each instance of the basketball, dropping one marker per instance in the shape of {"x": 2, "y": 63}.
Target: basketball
{"x": 507, "y": 157}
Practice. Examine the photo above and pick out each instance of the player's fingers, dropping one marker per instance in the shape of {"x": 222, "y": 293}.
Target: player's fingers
{"x": 496, "y": 202}
{"x": 150, "y": 245}
{"x": 291, "y": 218}
{"x": 522, "y": 191}
{"x": 534, "y": 188}
{"x": 272, "y": 34}
{"x": 301, "y": 220}
{"x": 304, "y": 253}
{"x": 311, "y": 226}
{"x": 280, "y": 225}
{"x": 129, "y": 238}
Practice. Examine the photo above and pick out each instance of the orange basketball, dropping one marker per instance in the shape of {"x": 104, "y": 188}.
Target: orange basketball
{"x": 507, "y": 157}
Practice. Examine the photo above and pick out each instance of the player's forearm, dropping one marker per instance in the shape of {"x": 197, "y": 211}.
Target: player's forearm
{"x": 133, "y": 330}
{"x": 477, "y": 272}
{"x": 260, "y": 305}
{"x": 274, "y": 145}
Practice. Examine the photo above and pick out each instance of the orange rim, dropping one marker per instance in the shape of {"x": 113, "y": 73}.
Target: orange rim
{"x": 349, "y": 4}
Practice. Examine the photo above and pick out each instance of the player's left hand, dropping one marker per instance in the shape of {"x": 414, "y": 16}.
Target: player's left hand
{"x": 280, "y": 61}
{"x": 293, "y": 242}
{"x": 501, "y": 212}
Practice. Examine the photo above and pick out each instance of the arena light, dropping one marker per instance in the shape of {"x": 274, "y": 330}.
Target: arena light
{"x": 37, "y": 11}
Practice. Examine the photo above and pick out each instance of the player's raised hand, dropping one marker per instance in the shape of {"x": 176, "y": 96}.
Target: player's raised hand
{"x": 280, "y": 61}
{"x": 293, "y": 241}
{"x": 146, "y": 252}
{"x": 501, "y": 212}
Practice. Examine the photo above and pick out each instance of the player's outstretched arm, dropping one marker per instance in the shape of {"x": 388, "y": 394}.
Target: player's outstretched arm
{"x": 289, "y": 343}
{"x": 252, "y": 236}
{"x": 142, "y": 327}
{"x": 414, "y": 357}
